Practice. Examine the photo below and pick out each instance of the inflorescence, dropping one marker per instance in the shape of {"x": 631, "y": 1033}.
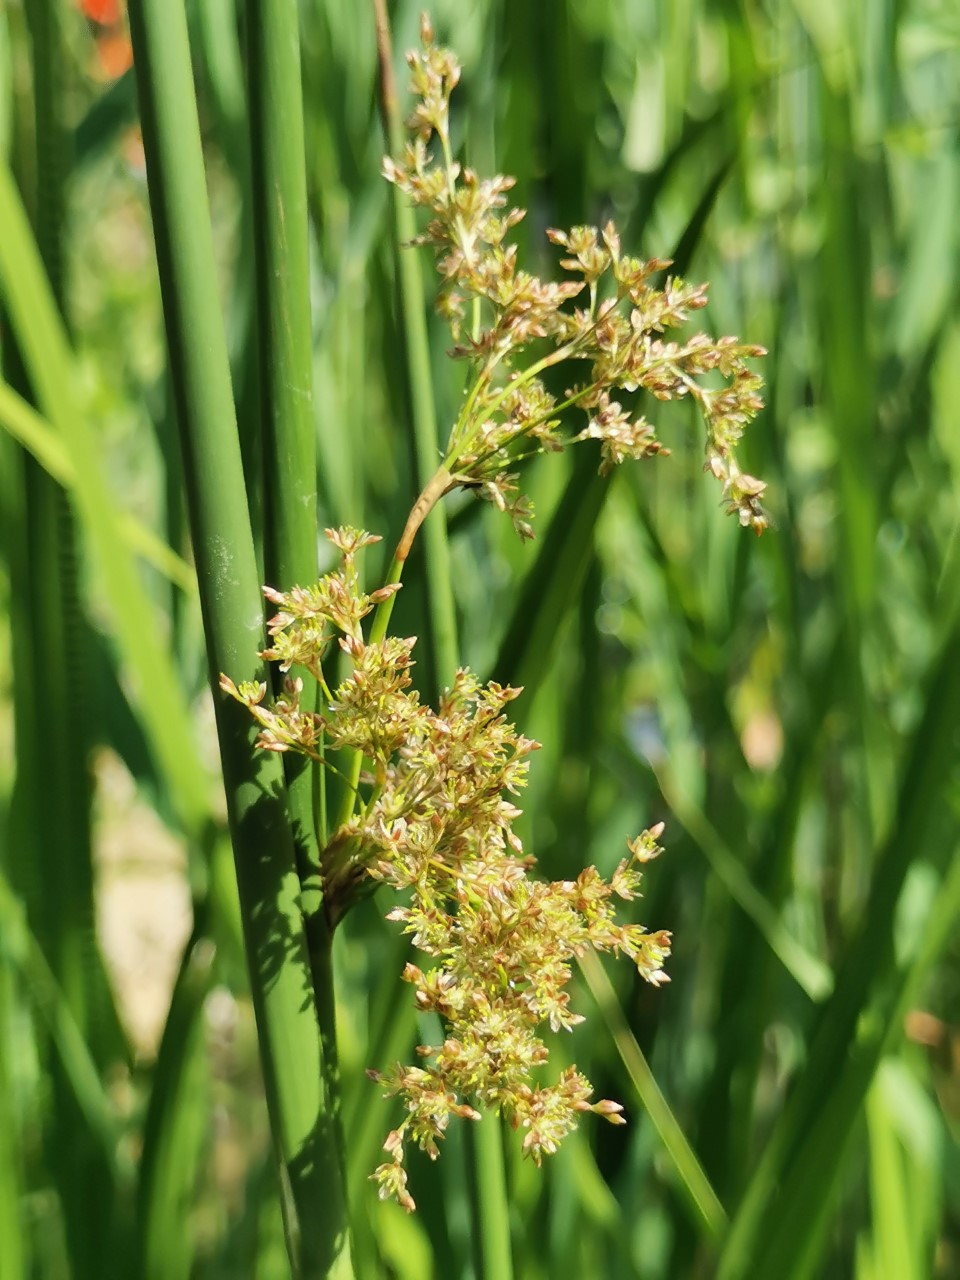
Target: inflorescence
{"x": 496, "y": 311}
{"x": 434, "y": 819}
{"x": 431, "y": 810}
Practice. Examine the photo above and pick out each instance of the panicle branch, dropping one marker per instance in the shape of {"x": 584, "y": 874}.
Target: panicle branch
{"x": 435, "y": 822}
{"x": 615, "y": 333}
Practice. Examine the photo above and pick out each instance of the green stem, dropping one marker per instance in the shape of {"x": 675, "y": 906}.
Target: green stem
{"x": 492, "y": 1258}
{"x": 381, "y": 618}
{"x": 534, "y": 370}
{"x": 443, "y": 625}
{"x": 13, "y": 1230}
{"x": 491, "y": 1225}
{"x": 269, "y": 887}
{"x": 283, "y": 333}
{"x": 443, "y": 636}
{"x": 557, "y": 409}
{"x": 378, "y": 631}
{"x": 284, "y": 341}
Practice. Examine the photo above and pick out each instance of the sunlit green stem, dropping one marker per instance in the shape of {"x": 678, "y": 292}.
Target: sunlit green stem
{"x": 489, "y": 1203}
{"x": 491, "y": 1228}
{"x": 443, "y": 627}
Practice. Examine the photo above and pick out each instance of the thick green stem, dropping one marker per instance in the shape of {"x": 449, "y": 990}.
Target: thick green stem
{"x": 280, "y": 975}
{"x": 492, "y": 1258}
{"x": 281, "y": 241}
{"x": 283, "y": 332}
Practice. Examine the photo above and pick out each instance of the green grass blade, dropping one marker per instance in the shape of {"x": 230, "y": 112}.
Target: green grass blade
{"x": 24, "y": 953}
{"x": 39, "y": 438}
{"x": 793, "y": 1242}
{"x": 554, "y": 580}
{"x": 46, "y": 355}
{"x": 114, "y": 111}
{"x": 706, "y": 1210}
{"x": 866, "y": 967}
{"x": 810, "y": 973}
{"x": 557, "y": 575}
{"x": 176, "y": 1125}
{"x": 888, "y": 1191}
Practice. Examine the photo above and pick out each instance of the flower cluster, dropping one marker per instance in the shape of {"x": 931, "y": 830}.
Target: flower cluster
{"x": 496, "y": 311}
{"x": 501, "y": 946}
{"x": 431, "y": 792}
{"x": 434, "y": 820}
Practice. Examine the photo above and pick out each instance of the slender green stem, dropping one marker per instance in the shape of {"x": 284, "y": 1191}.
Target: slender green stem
{"x": 525, "y": 375}
{"x": 567, "y": 352}
{"x": 381, "y": 619}
{"x": 483, "y": 379}
{"x": 13, "y": 1230}
{"x": 491, "y": 1225}
{"x": 492, "y": 1255}
{"x": 443, "y": 627}
{"x": 175, "y": 1128}
{"x": 280, "y": 974}
{"x": 378, "y": 631}
{"x": 569, "y": 403}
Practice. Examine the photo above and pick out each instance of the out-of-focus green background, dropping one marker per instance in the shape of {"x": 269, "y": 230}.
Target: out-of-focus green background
{"x": 789, "y": 705}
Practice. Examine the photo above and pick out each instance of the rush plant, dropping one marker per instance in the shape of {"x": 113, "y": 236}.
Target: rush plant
{"x": 429, "y": 809}
{"x": 789, "y": 706}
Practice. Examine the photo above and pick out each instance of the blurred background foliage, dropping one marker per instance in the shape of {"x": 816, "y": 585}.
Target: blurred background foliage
{"x": 789, "y": 706}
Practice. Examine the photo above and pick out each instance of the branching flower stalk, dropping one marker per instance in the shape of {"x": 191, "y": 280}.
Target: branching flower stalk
{"x": 434, "y": 820}
{"x": 430, "y": 808}
{"x": 507, "y": 413}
